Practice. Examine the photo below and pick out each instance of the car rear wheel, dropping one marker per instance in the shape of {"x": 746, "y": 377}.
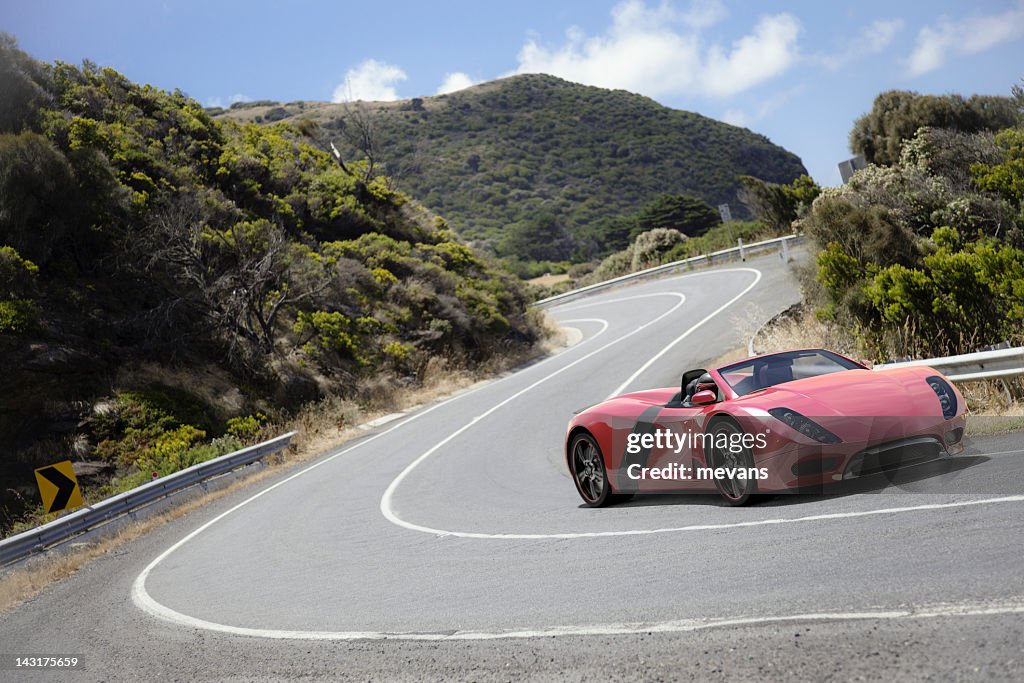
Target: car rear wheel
{"x": 734, "y": 490}
{"x": 588, "y": 471}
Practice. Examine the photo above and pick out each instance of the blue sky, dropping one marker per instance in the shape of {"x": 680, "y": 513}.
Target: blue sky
{"x": 798, "y": 72}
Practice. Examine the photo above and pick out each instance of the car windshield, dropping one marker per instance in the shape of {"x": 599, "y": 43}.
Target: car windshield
{"x": 767, "y": 371}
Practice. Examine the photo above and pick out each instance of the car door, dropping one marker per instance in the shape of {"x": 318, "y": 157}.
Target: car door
{"x": 675, "y": 450}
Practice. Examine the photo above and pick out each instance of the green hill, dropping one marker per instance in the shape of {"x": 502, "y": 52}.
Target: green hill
{"x": 162, "y": 273}
{"x": 501, "y": 152}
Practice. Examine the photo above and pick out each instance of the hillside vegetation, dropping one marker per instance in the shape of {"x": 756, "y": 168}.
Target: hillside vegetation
{"x": 897, "y": 114}
{"x": 922, "y": 254}
{"x": 168, "y": 281}
{"x": 537, "y": 148}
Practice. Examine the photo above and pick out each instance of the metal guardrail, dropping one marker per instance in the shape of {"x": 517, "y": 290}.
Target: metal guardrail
{"x": 783, "y": 244}
{"x": 42, "y": 537}
{"x": 970, "y": 367}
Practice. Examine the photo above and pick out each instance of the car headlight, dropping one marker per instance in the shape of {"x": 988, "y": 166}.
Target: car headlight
{"x": 947, "y": 397}
{"x": 804, "y": 425}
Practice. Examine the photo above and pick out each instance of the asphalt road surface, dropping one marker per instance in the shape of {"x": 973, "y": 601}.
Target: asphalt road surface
{"x": 452, "y": 544}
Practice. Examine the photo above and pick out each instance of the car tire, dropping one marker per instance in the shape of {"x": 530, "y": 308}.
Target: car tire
{"x": 586, "y": 463}
{"x": 736, "y": 491}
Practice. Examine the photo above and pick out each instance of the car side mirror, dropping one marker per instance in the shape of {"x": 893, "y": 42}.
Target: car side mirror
{"x": 869, "y": 364}
{"x": 703, "y": 398}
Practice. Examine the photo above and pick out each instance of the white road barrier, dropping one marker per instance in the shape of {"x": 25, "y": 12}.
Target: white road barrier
{"x": 780, "y": 244}
{"x": 970, "y": 367}
{"x": 84, "y": 519}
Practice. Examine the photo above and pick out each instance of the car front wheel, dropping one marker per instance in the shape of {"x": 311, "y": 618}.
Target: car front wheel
{"x": 588, "y": 471}
{"x": 734, "y": 490}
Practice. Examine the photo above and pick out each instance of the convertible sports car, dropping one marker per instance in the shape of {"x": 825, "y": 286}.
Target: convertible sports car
{"x": 774, "y": 423}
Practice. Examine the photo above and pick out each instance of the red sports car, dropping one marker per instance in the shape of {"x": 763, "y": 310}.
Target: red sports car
{"x": 773, "y": 423}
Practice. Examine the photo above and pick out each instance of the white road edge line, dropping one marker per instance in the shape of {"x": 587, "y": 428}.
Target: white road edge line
{"x": 619, "y": 389}
{"x": 145, "y": 601}
{"x": 386, "y": 508}
{"x": 1016, "y": 606}
{"x": 386, "y": 505}
{"x": 718, "y": 527}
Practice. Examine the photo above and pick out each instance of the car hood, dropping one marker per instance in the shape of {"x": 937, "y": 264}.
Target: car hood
{"x": 856, "y": 403}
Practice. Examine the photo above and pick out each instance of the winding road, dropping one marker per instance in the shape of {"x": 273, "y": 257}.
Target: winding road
{"x": 451, "y": 544}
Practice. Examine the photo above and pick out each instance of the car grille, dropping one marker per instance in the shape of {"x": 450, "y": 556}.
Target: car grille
{"x": 893, "y": 455}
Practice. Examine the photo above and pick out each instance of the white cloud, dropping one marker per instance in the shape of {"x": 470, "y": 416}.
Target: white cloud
{"x": 738, "y": 117}
{"x": 371, "y": 81}
{"x": 945, "y": 38}
{"x": 657, "y": 50}
{"x": 455, "y": 81}
{"x": 880, "y": 34}
{"x": 219, "y": 102}
{"x": 769, "y": 51}
{"x": 872, "y": 39}
{"x": 703, "y": 13}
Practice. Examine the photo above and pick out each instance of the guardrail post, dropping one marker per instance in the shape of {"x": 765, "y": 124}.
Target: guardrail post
{"x": 785, "y": 250}
{"x": 739, "y": 242}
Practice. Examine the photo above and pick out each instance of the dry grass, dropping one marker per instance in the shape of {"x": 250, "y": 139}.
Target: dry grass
{"x": 795, "y": 329}
{"x": 995, "y": 406}
{"x": 548, "y": 280}
{"x": 322, "y": 426}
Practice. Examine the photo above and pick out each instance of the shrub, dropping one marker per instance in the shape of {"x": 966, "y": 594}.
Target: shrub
{"x": 170, "y": 451}
{"x": 649, "y": 246}
{"x": 247, "y": 427}
{"x": 775, "y": 205}
{"x": 397, "y": 353}
{"x": 334, "y": 332}
{"x": 959, "y": 298}
{"x": 18, "y": 316}
{"x": 619, "y": 263}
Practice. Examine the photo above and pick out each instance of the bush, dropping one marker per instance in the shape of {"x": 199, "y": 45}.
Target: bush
{"x": 960, "y": 299}
{"x": 18, "y": 316}
{"x": 866, "y": 233}
{"x": 777, "y": 206}
{"x": 619, "y": 263}
{"x": 170, "y": 451}
{"x": 17, "y": 275}
{"x": 246, "y": 428}
{"x": 896, "y": 116}
{"x": 651, "y": 245}
{"x": 332, "y": 331}
{"x": 926, "y": 256}
{"x": 174, "y": 451}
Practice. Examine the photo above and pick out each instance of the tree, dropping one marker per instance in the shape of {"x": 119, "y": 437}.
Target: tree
{"x": 541, "y": 237}
{"x": 20, "y": 78}
{"x": 777, "y": 206}
{"x": 689, "y": 215}
{"x": 651, "y": 245}
{"x": 1007, "y": 178}
{"x": 32, "y": 173}
{"x": 897, "y": 114}
{"x": 607, "y": 235}
{"x": 240, "y": 277}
